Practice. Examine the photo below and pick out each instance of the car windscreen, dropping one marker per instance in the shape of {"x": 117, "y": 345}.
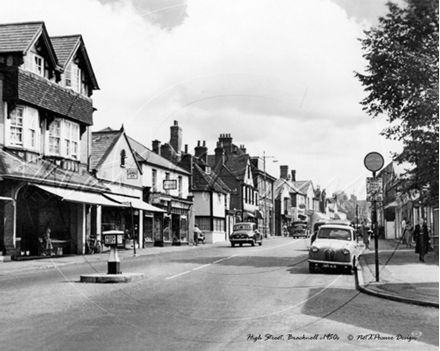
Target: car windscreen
{"x": 335, "y": 234}
{"x": 244, "y": 226}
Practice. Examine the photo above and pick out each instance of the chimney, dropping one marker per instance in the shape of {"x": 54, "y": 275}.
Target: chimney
{"x": 219, "y": 154}
{"x": 242, "y": 148}
{"x": 293, "y": 176}
{"x": 156, "y": 147}
{"x": 284, "y": 172}
{"x": 201, "y": 151}
{"x": 176, "y": 137}
{"x": 226, "y": 141}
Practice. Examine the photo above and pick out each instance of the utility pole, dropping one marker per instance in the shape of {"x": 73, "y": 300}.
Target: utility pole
{"x": 265, "y": 192}
{"x": 374, "y": 162}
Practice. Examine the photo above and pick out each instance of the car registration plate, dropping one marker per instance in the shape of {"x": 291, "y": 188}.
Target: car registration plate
{"x": 329, "y": 266}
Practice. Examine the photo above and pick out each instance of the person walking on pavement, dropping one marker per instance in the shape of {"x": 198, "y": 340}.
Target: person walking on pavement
{"x": 403, "y": 229}
{"x": 197, "y": 231}
{"x": 366, "y": 231}
{"x": 422, "y": 240}
{"x": 408, "y": 235}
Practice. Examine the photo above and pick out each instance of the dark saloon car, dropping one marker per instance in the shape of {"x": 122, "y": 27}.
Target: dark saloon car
{"x": 246, "y": 233}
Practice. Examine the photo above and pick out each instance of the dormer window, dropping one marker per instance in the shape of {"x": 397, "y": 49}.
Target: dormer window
{"x": 38, "y": 65}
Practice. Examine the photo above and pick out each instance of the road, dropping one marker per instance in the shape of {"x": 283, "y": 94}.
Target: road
{"x": 208, "y": 298}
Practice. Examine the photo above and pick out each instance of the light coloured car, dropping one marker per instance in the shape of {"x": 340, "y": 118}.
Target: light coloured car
{"x": 246, "y": 233}
{"x": 335, "y": 246}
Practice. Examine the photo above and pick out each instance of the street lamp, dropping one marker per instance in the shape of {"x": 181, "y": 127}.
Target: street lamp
{"x": 265, "y": 191}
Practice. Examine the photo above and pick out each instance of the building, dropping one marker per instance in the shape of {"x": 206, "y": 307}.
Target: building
{"x": 167, "y": 186}
{"x": 233, "y": 165}
{"x": 46, "y": 112}
{"x": 116, "y": 164}
{"x": 265, "y": 183}
{"x": 210, "y": 196}
{"x": 287, "y": 199}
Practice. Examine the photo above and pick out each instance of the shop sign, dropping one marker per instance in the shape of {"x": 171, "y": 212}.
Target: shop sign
{"x": 132, "y": 173}
{"x": 170, "y": 184}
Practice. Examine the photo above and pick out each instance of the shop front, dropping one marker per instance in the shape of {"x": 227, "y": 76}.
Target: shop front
{"x": 174, "y": 229}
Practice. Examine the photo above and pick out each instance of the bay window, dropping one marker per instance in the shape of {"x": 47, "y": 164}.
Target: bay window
{"x": 63, "y": 138}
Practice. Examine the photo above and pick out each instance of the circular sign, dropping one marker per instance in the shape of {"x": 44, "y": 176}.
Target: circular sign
{"x": 374, "y": 161}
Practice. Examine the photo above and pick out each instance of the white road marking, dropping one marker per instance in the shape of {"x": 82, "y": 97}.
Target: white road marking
{"x": 197, "y": 268}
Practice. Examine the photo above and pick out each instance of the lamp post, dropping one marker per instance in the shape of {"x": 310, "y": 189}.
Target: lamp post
{"x": 265, "y": 191}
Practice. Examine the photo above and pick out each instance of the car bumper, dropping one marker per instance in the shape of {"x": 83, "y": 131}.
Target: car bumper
{"x": 331, "y": 264}
{"x": 241, "y": 241}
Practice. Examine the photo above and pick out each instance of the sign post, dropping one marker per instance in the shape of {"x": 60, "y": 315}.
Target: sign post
{"x": 374, "y": 162}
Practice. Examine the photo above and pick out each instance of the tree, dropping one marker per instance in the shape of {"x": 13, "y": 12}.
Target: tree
{"x": 401, "y": 79}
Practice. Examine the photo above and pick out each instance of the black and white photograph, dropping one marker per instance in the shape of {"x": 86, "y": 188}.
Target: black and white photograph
{"x": 219, "y": 175}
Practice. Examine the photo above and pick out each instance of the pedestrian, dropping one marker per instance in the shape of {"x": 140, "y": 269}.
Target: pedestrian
{"x": 366, "y": 231}
{"x": 408, "y": 235}
{"x": 403, "y": 229}
{"x": 197, "y": 231}
{"x": 422, "y": 240}
{"x": 47, "y": 242}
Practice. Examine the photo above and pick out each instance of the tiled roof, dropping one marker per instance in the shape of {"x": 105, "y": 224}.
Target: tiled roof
{"x": 16, "y": 37}
{"x": 40, "y": 92}
{"x": 206, "y": 182}
{"x": 65, "y": 46}
{"x": 102, "y": 143}
{"x": 44, "y": 172}
{"x": 151, "y": 157}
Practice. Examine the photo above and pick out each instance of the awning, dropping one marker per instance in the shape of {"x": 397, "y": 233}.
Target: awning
{"x": 135, "y": 203}
{"x": 258, "y": 214}
{"x": 77, "y": 196}
{"x": 249, "y": 214}
{"x": 393, "y": 204}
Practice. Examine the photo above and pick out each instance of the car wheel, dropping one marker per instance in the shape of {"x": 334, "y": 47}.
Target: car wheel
{"x": 232, "y": 244}
{"x": 312, "y": 268}
{"x": 261, "y": 242}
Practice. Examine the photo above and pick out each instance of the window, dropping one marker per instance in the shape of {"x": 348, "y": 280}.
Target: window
{"x": 38, "y": 65}
{"x": 63, "y": 138}
{"x": 16, "y": 136}
{"x": 180, "y": 185}
{"x": 55, "y": 137}
{"x": 71, "y": 136}
{"x": 23, "y": 128}
{"x": 123, "y": 157}
{"x": 73, "y": 77}
{"x": 167, "y": 177}
{"x": 154, "y": 179}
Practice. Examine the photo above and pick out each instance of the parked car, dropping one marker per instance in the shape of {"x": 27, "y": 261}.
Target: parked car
{"x": 335, "y": 246}
{"x": 246, "y": 233}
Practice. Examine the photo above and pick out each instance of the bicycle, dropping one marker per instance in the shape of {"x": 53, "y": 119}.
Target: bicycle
{"x": 94, "y": 245}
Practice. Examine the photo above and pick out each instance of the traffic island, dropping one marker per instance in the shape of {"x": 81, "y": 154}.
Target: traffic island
{"x": 111, "y": 278}
{"x": 114, "y": 275}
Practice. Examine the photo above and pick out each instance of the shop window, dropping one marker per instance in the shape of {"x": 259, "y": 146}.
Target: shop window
{"x": 167, "y": 228}
{"x": 183, "y": 228}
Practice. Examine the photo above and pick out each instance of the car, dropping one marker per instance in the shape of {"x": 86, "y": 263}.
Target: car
{"x": 299, "y": 229}
{"x": 335, "y": 246}
{"x": 245, "y": 233}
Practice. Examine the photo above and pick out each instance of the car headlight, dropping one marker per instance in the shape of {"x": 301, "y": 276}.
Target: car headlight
{"x": 345, "y": 251}
{"x": 314, "y": 249}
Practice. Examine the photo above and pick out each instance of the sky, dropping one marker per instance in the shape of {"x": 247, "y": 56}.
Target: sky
{"x": 277, "y": 75}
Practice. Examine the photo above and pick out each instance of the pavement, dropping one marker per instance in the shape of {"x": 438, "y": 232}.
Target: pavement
{"x": 402, "y": 277}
